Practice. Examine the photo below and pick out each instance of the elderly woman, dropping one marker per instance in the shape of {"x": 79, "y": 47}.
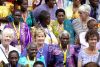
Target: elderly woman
{"x": 89, "y": 54}
{"x": 5, "y": 47}
{"x": 70, "y": 60}
{"x": 21, "y": 30}
{"x": 80, "y": 24}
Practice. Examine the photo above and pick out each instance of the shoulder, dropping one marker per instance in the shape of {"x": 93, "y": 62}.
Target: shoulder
{"x": 13, "y": 48}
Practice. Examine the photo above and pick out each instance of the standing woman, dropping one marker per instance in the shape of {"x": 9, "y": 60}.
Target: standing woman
{"x": 91, "y": 53}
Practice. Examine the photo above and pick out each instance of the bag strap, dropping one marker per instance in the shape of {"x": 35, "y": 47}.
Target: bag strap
{"x": 4, "y": 53}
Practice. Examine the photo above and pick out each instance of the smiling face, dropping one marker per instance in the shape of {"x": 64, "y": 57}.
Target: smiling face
{"x": 92, "y": 41}
{"x": 6, "y": 39}
{"x": 40, "y": 37}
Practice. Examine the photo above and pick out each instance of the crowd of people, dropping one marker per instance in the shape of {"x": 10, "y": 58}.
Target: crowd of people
{"x": 49, "y": 33}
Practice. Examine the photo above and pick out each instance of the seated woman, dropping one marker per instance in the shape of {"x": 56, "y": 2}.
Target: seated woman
{"x": 90, "y": 54}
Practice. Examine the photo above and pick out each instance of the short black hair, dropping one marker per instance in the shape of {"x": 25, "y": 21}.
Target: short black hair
{"x": 91, "y": 33}
{"x": 59, "y": 10}
{"x": 38, "y": 62}
{"x": 43, "y": 15}
{"x": 13, "y": 51}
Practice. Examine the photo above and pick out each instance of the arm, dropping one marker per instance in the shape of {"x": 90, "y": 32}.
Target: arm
{"x": 80, "y": 59}
{"x": 79, "y": 63}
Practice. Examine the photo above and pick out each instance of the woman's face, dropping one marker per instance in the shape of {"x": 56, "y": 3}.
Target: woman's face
{"x": 83, "y": 15}
{"x": 40, "y": 38}
{"x": 60, "y": 16}
{"x": 6, "y": 38}
{"x": 92, "y": 41}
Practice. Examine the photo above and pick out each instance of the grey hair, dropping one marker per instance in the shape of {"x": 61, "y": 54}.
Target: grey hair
{"x": 64, "y": 32}
{"x": 30, "y": 45}
{"x": 8, "y": 31}
{"x": 85, "y": 8}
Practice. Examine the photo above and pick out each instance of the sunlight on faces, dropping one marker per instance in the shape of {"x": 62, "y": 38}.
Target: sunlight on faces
{"x": 84, "y": 11}
{"x": 40, "y": 36}
{"x": 7, "y": 36}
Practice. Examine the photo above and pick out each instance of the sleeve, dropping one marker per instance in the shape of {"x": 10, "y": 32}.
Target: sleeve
{"x": 80, "y": 56}
{"x": 57, "y": 56}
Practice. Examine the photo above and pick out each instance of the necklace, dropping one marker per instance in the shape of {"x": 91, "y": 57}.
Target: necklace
{"x": 17, "y": 31}
{"x": 29, "y": 61}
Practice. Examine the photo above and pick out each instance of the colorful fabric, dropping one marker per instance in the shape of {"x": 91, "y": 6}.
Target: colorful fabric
{"x": 70, "y": 60}
{"x": 24, "y": 61}
{"x": 25, "y": 36}
{"x": 65, "y": 26}
{"x": 50, "y": 55}
{"x": 30, "y": 20}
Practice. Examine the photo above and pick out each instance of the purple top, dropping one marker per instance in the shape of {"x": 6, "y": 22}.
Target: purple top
{"x": 52, "y": 55}
{"x": 25, "y": 35}
{"x": 52, "y": 11}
